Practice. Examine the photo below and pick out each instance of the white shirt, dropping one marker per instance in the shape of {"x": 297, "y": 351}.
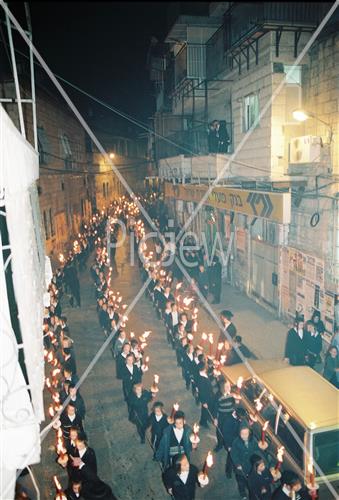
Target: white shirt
{"x": 301, "y": 333}
{"x": 175, "y": 318}
{"x": 130, "y": 369}
{"x": 71, "y": 417}
{"x": 203, "y": 374}
{"x": 184, "y": 476}
{"x": 158, "y": 417}
{"x": 82, "y": 452}
{"x": 178, "y": 433}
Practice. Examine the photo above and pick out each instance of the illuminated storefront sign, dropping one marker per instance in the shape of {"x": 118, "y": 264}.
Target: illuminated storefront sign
{"x": 272, "y": 206}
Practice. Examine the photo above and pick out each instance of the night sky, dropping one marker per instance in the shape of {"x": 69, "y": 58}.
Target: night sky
{"x": 101, "y": 47}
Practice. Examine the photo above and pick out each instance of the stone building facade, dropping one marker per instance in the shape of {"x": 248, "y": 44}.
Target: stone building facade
{"x": 260, "y": 73}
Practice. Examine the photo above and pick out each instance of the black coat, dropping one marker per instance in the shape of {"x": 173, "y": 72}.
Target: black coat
{"x": 241, "y": 455}
{"x": 138, "y": 407}
{"x": 295, "y": 349}
{"x": 229, "y": 427}
{"x": 157, "y": 427}
{"x": 90, "y": 460}
{"x": 181, "y": 491}
{"x": 66, "y": 424}
{"x": 260, "y": 485}
{"x": 206, "y": 394}
{"x": 128, "y": 379}
{"x": 231, "y": 330}
{"x": 79, "y": 405}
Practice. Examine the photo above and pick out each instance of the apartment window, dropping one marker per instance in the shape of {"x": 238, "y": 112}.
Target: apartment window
{"x": 250, "y": 111}
{"x": 82, "y": 208}
{"x": 104, "y": 190}
{"x": 43, "y": 146}
{"x": 46, "y": 225}
{"x": 62, "y": 186}
{"x": 107, "y": 189}
{"x": 293, "y": 74}
{"x": 66, "y": 151}
{"x": 51, "y": 223}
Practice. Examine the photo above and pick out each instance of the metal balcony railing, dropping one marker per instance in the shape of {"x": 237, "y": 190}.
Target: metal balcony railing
{"x": 190, "y": 62}
{"x": 189, "y": 142}
{"x": 243, "y": 17}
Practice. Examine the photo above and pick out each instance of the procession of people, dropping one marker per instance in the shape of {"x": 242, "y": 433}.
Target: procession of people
{"x": 175, "y": 299}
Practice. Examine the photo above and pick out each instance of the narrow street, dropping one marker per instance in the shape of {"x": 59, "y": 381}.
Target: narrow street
{"x": 123, "y": 462}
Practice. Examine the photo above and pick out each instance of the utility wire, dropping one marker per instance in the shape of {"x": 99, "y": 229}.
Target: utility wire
{"x": 137, "y": 122}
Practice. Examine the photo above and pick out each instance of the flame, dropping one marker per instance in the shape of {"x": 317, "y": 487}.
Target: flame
{"x": 239, "y": 382}
{"x": 222, "y": 359}
{"x": 188, "y": 301}
{"x": 179, "y": 285}
{"x": 266, "y": 424}
{"x": 210, "y": 338}
{"x": 156, "y": 379}
{"x": 209, "y": 459}
{"x": 57, "y": 483}
{"x": 50, "y": 357}
{"x": 48, "y": 383}
{"x": 190, "y": 336}
{"x": 280, "y": 453}
{"x": 51, "y": 411}
{"x": 55, "y": 372}
{"x": 196, "y": 428}
{"x": 204, "y": 336}
{"x": 220, "y": 346}
{"x": 176, "y": 406}
{"x": 147, "y": 360}
{"x": 258, "y": 404}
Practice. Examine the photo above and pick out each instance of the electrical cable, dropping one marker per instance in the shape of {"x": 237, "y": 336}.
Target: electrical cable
{"x": 137, "y": 122}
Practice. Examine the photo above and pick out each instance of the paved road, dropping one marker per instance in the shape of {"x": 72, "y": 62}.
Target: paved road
{"x": 122, "y": 461}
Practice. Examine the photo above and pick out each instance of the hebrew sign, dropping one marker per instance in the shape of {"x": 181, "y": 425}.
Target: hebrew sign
{"x": 275, "y": 207}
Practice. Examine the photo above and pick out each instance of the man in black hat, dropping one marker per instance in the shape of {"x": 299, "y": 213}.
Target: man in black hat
{"x": 228, "y": 329}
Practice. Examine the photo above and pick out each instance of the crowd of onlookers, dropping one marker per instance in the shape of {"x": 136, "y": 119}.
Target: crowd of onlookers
{"x": 304, "y": 346}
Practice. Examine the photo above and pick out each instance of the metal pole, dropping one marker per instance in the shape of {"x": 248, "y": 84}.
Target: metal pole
{"x": 31, "y": 64}
{"x": 15, "y": 75}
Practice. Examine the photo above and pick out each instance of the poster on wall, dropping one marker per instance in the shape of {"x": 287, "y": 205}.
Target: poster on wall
{"x": 310, "y": 268}
{"x": 301, "y": 263}
{"x": 301, "y": 306}
{"x": 319, "y": 273}
{"x": 292, "y": 259}
{"x": 328, "y": 311}
{"x": 309, "y": 297}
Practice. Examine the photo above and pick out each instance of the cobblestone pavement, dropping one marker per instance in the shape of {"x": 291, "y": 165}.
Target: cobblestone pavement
{"x": 123, "y": 462}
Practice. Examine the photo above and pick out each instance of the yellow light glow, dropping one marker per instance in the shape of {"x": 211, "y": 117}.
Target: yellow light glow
{"x": 300, "y": 115}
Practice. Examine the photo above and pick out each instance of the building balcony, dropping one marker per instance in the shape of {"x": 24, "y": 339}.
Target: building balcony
{"x": 202, "y": 168}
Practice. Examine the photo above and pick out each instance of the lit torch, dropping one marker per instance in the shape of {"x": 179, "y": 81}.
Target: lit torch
{"x": 263, "y": 435}
{"x": 194, "y": 438}
{"x": 210, "y": 340}
{"x": 155, "y": 388}
{"x": 280, "y": 455}
{"x": 175, "y": 408}
{"x": 202, "y": 476}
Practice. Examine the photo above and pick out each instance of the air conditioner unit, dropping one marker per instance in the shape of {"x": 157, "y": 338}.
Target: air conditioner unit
{"x": 305, "y": 149}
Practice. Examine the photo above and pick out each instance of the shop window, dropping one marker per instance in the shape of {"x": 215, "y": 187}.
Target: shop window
{"x": 250, "y": 111}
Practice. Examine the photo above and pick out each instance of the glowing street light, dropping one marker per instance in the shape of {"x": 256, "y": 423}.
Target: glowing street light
{"x": 302, "y": 115}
